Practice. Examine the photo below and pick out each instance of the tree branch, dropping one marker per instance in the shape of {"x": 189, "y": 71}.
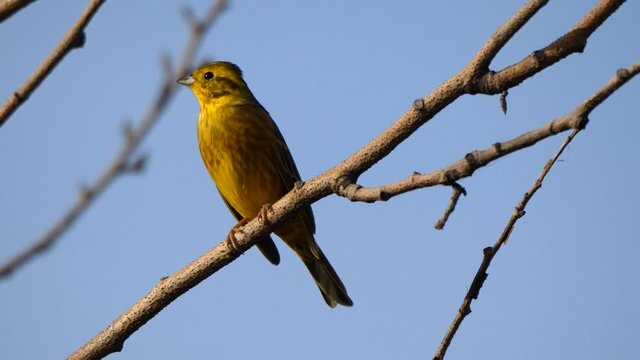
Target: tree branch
{"x": 471, "y": 80}
{"x": 112, "y": 338}
{"x": 457, "y": 190}
{"x": 125, "y": 160}
{"x": 583, "y": 110}
{"x": 503, "y": 34}
{"x": 574, "y": 41}
{"x": 490, "y": 252}
{"x": 74, "y": 38}
{"x": 466, "y": 166}
{"x": 10, "y": 7}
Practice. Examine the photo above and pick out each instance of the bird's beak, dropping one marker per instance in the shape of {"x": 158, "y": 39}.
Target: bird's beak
{"x": 186, "y": 80}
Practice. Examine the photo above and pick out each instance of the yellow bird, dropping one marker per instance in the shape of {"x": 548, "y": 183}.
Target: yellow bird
{"x": 252, "y": 167}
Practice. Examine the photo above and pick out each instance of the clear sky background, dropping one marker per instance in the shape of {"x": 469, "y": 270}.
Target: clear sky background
{"x": 333, "y": 74}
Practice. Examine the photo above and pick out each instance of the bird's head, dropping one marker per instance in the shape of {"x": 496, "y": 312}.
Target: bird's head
{"x": 218, "y": 81}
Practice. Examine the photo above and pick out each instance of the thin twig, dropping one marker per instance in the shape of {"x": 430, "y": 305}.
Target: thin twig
{"x": 457, "y": 190}
{"x": 125, "y": 160}
{"x": 503, "y": 101}
{"x": 490, "y": 252}
{"x": 621, "y": 77}
{"x": 74, "y": 38}
{"x": 112, "y": 338}
{"x": 462, "y": 168}
{"x": 10, "y": 7}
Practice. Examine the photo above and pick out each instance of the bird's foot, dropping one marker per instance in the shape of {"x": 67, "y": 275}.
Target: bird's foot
{"x": 264, "y": 212}
{"x": 231, "y": 241}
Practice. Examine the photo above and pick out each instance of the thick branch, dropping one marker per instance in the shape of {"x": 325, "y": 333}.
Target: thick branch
{"x": 125, "y": 160}
{"x": 572, "y": 42}
{"x": 469, "y": 81}
{"x": 500, "y": 37}
{"x": 10, "y": 7}
{"x": 426, "y": 108}
{"x": 112, "y": 338}
{"x": 74, "y": 38}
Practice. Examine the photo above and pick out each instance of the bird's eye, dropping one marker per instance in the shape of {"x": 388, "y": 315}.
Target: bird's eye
{"x": 208, "y": 75}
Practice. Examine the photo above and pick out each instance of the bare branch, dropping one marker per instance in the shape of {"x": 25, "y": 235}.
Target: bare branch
{"x": 125, "y": 160}
{"x": 573, "y": 41}
{"x": 490, "y": 252}
{"x": 621, "y": 77}
{"x": 455, "y": 196}
{"x": 468, "y": 81}
{"x": 500, "y": 37}
{"x": 74, "y": 38}
{"x": 503, "y": 101}
{"x": 112, "y": 338}
{"x": 10, "y": 7}
{"x": 466, "y": 166}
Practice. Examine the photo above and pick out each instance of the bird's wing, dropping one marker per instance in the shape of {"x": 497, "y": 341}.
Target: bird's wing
{"x": 289, "y": 172}
{"x": 266, "y": 245}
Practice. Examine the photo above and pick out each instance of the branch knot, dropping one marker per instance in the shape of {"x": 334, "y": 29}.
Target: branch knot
{"x": 419, "y": 105}
{"x": 471, "y": 160}
{"x": 79, "y": 40}
{"x": 345, "y": 186}
{"x": 450, "y": 176}
{"x": 623, "y": 73}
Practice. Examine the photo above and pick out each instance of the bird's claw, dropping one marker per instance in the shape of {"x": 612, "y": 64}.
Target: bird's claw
{"x": 231, "y": 241}
{"x": 264, "y": 212}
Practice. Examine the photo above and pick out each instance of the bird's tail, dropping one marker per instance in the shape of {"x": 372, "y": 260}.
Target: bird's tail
{"x": 332, "y": 289}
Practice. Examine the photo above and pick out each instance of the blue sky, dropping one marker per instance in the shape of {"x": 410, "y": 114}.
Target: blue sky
{"x": 333, "y": 75}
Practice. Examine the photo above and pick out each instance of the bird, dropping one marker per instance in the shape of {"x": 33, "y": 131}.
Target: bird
{"x": 251, "y": 165}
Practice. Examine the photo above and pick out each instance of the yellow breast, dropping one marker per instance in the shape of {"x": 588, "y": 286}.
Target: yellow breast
{"x": 238, "y": 152}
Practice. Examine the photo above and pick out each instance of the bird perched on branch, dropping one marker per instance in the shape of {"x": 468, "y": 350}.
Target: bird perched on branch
{"x": 252, "y": 167}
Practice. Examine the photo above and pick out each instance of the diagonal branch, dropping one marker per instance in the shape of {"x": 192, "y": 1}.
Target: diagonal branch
{"x": 10, "y": 7}
{"x": 490, "y": 252}
{"x": 503, "y": 34}
{"x": 469, "y": 80}
{"x": 467, "y": 165}
{"x": 125, "y": 160}
{"x": 73, "y": 39}
{"x": 573, "y": 41}
{"x": 457, "y": 190}
{"x": 111, "y": 339}
{"x": 621, "y": 77}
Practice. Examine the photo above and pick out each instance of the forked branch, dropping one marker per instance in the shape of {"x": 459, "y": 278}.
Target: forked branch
{"x": 582, "y": 111}
{"x": 490, "y": 252}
